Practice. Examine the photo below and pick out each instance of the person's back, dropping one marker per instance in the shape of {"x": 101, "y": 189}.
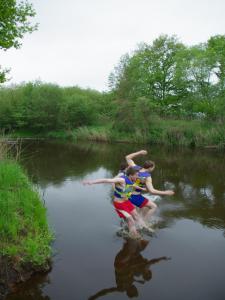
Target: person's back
{"x": 123, "y": 191}
{"x": 144, "y": 180}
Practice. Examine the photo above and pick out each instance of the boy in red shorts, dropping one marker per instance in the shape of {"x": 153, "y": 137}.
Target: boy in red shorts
{"x": 122, "y": 191}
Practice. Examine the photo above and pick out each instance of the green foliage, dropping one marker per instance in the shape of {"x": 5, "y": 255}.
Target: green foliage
{"x": 216, "y": 51}
{"x": 195, "y": 133}
{"x": 170, "y": 73}
{"x": 23, "y": 223}
{"x": 43, "y": 107}
{"x": 42, "y": 104}
{"x": 79, "y": 108}
{"x": 156, "y": 85}
{"x": 152, "y": 71}
{"x": 200, "y": 72}
{"x": 99, "y": 134}
{"x": 14, "y": 24}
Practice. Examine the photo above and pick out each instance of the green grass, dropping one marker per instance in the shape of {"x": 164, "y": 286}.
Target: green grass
{"x": 99, "y": 134}
{"x": 194, "y": 133}
{"x": 23, "y": 223}
{"x": 191, "y": 133}
{"x": 24, "y": 134}
{"x": 58, "y": 134}
{"x": 167, "y": 131}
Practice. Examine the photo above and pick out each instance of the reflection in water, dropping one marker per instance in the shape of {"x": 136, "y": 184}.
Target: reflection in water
{"x": 34, "y": 289}
{"x": 199, "y": 181}
{"x": 130, "y": 268}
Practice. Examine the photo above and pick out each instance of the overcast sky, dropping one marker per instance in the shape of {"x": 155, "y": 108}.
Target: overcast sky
{"x": 80, "y": 41}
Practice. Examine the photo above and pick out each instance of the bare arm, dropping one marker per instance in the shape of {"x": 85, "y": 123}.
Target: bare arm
{"x": 104, "y": 180}
{"x": 153, "y": 191}
{"x": 130, "y": 157}
{"x": 140, "y": 188}
{"x": 104, "y": 292}
{"x": 156, "y": 260}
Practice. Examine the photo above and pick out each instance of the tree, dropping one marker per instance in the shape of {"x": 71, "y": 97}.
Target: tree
{"x": 216, "y": 50}
{"x": 200, "y": 71}
{"x": 153, "y": 71}
{"x": 14, "y": 24}
{"x": 118, "y": 80}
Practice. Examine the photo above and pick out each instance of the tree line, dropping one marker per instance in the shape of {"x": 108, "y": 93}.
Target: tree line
{"x": 39, "y": 107}
{"x": 150, "y": 90}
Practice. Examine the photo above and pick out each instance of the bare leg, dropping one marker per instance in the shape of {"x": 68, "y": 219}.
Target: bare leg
{"x": 131, "y": 226}
{"x": 138, "y": 219}
{"x": 148, "y": 210}
{"x": 141, "y": 223}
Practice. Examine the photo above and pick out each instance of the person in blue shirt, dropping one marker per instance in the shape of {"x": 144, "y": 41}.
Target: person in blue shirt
{"x": 123, "y": 188}
{"x": 144, "y": 181}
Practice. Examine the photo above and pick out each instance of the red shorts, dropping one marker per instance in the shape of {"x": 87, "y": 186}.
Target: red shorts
{"x": 124, "y": 209}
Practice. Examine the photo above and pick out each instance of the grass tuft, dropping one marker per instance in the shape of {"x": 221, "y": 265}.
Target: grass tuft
{"x": 24, "y": 230}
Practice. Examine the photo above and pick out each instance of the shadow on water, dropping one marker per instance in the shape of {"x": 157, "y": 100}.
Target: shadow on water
{"x": 130, "y": 268}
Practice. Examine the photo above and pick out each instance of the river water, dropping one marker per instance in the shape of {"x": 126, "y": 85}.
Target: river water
{"x": 184, "y": 259}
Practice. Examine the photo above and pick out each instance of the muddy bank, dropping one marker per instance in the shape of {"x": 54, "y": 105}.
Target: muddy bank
{"x": 13, "y": 272}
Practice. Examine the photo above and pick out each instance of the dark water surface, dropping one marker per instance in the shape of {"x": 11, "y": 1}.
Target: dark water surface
{"x": 184, "y": 260}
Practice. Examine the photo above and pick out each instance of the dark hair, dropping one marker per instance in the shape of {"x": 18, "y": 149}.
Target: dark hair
{"x": 131, "y": 171}
{"x": 148, "y": 164}
{"x": 123, "y": 166}
{"x": 132, "y": 291}
{"x": 147, "y": 275}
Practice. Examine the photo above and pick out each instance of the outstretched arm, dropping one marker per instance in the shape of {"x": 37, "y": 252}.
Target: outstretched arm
{"x": 104, "y": 180}
{"x": 130, "y": 157}
{"x": 103, "y": 293}
{"x": 153, "y": 191}
{"x": 156, "y": 260}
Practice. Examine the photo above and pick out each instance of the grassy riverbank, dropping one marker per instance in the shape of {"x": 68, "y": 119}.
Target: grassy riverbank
{"x": 194, "y": 133}
{"x": 166, "y": 132}
{"x": 25, "y": 235}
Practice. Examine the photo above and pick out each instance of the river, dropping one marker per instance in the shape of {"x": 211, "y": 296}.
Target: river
{"x": 184, "y": 259}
